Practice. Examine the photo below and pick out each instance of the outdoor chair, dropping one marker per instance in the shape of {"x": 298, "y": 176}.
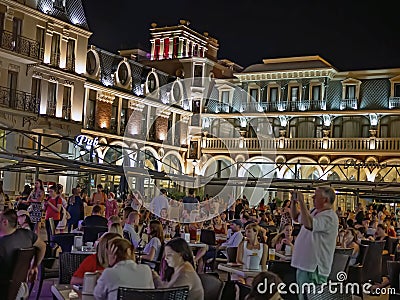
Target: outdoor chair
{"x": 339, "y": 264}
{"x": 10, "y": 288}
{"x": 47, "y": 268}
{"x": 68, "y": 264}
{"x": 373, "y": 262}
{"x": 180, "y": 293}
{"x": 212, "y": 285}
{"x": 91, "y": 233}
{"x": 393, "y": 268}
{"x": 323, "y": 293}
{"x": 64, "y": 240}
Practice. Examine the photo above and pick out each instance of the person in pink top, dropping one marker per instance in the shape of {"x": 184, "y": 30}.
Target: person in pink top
{"x": 111, "y": 206}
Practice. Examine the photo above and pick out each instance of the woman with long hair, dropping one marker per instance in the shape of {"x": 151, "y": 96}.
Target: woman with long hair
{"x": 155, "y": 233}
{"x": 97, "y": 261}
{"x": 284, "y": 239}
{"x": 123, "y": 271}
{"x": 285, "y": 218}
{"x": 35, "y": 199}
{"x": 251, "y": 247}
{"x": 181, "y": 272}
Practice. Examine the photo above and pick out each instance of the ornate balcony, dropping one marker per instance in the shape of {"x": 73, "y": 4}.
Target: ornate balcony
{"x": 19, "y": 100}
{"x": 55, "y": 59}
{"x": 66, "y": 112}
{"x": 70, "y": 64}
{"x": 394, "y": 102}
{"x": 19, "y": 44}
{"x": 297, "y": 145}
{"x": 348, "y": 104}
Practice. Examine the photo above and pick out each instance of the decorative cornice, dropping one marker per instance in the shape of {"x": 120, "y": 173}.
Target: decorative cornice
{"x": 106, "y": 97}
{"x": 163, "y": 113}
{"x": 135, "y": 105}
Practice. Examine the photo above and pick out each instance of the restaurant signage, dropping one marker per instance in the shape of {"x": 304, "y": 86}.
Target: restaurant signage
{"x": 86, "y": 141}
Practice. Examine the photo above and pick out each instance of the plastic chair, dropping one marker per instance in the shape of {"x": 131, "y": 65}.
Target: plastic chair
{"x": 69, "y": 263}
{"x": 212, "y": 286}
{"x": 22, "y": 263}
{"x": 180, "y": 293}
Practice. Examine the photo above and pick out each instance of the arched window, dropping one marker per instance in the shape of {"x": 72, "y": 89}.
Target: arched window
{"x": 91, "y": 63}
{"x": 390, "y": 127}
{"x": 308, "y": 127}
{"x": 350, "y": 127}
{"x": 123, "y": 73}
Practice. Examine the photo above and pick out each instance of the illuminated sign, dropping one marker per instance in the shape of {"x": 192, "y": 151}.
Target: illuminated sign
{"x": 86, "y": 141}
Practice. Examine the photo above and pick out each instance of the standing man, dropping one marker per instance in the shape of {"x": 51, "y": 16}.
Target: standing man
{"x": 190, "y": 202}
{"x": 315, "y": 245}
{"x": 159, "y": 202}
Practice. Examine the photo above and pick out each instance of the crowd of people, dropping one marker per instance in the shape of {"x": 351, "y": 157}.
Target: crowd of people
{"x": 158, "y": 229}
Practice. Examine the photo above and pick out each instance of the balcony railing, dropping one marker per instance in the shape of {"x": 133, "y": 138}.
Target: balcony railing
{"x": 90, "y": 122}
{"x": 70, "y": 64}
{"x": 304, "y": 144}
{"x": 19, "y": 100}
{"x": 254, "y": 107}
{"x": 66, "y": 112}
{"x": 19, "y": 44}
{"x": 348, "y": 104}
{"x": 394, "y": 102}
{"x": 51, "y": 109}
{"x": 55, "y": 59}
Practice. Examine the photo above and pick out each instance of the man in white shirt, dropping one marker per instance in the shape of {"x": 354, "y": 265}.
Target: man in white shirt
{"x": 315, "y": 245}
{"x": 131, "y": 222}
{"x": 159, "y": 202}
{"x": 236, "y": 236}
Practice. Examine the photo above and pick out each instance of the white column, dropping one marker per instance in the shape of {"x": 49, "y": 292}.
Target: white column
{"x": 152, "y": 50}
{"x": 63, "y": 53}
{"x": 161, "y": 54}
{"x": 47, "y": 43}
{"x": 171, "y": 47}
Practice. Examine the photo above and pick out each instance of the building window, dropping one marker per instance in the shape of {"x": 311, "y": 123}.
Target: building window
{"x": 156, "y": 54}
{"x": 123, "y": 74}
{"x": 91, "y": 63}
{"x": 198, "y": 75}
{"x": 273, "y": 94}
{"x": 253, "y": 94}
{"x": 316, "y": 92}
{"x": 91, "y": 109}
{"x": 175, "y": 49}
{"x": 124, "y": 115}
{"x": 52, "y": 99}
{"x": 55, "y": 50}
{"x": 66, "y": 108}
{"x": 310, "y": 127}
{"x": 1, "y": 21}
{"x": 35, "y": 88}
{"x": 351, "y": 127}
{"x": 151, "y": 83}
{"x": 294, "y": 93}
{"x": 166, "y": 48}
{"x": 396, "y": 90}
{"x": 12, "y": 88}
{"x": 70, "y": 63}
{"x": 225, "y": 97}
{"x": 114, "y": 115}
{"x": 40, "y": 38}
{"x": 350, "y": 92}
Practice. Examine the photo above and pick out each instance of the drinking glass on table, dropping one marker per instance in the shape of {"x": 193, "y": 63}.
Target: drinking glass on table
{"x": 271, "y": 255}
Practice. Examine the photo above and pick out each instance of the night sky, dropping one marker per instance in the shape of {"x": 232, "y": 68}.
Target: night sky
{"x": 351, "y": 35}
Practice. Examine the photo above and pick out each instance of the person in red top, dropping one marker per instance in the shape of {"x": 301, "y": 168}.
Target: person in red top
{"x": 94, "y": 262}
{"x": 111, "y": 206}
{"x": 52, "y": 207}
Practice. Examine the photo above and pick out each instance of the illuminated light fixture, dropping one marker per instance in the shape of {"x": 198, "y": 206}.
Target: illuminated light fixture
{"x": 162, "y": 136}
{"x": 283, "y": 121}
{"x": 103, "y": 124}
{"x": 75, "y": 21}
{"x": 327, "y": 120}
{"x": 373, "y": 118}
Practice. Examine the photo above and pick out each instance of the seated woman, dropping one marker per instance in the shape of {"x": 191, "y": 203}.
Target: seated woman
{"x": 179, "y": 258}
{"x": 155, "y": 234}
{"x": 250, "y": 247}
{"x": 123, "y": 271}
{"x": 350, "y": 241}
{"x": 94, "y": 262}
{"x": 116, "y": 228}
{"x": 218, "y": 226}
{"x": 284, "y": 239}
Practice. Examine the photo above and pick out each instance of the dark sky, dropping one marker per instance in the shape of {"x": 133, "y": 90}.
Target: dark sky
{"x": 350, "y": 34}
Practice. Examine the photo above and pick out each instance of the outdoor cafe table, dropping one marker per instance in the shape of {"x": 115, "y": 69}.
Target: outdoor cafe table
{"x": 67, "y": 292}
{"x": 197, "y": 245}
{"x": 88, "y": 252}
{"x": 239, "y": 270}
{"x": 282, "y": 256}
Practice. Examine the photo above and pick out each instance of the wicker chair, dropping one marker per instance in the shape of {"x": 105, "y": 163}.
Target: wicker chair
{"x": 9, "y": 288}
{"x": 69, "y": 263}
{"x": 180, "y": 293}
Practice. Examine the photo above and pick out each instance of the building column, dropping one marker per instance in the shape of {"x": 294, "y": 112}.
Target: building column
{"x": 184, "y": 130}
{"x": 180, "y": 48}
{"x": 152, "y": 50}
{"x": 60, "y": 100}
{"x": 161, "y": 53}
{"x": 171, "y": 47}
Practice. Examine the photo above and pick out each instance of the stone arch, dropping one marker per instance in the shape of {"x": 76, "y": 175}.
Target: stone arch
{"x": 305, "y": 171}
{"x": 213, "y": 159}
{"x": 178, "y": 156}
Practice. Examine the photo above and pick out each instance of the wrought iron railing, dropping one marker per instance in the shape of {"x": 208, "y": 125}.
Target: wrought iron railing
{"x": 19, "y": 100}
{"x": 66, "y": 112}
{"x": 348, "y": 104}
{"x": 90, "y": 121}
{"x": 19, "y": 44}
{"x": 55, "y": 59}
{"x": 51, "y": 109}
{"x": 394, "y": 102}
{"x": 70, "y": 64}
